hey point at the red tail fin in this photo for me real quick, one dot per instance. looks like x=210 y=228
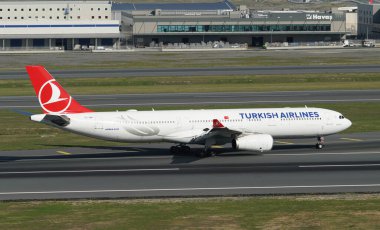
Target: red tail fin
x=52 y=97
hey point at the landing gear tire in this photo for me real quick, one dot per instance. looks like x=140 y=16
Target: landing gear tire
x=321 y=143
x=319 y=146
x=185 y=149
x=174 y=149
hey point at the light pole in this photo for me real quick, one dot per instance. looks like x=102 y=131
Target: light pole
x=271 y=32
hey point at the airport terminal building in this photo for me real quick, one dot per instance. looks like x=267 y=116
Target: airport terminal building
x=57 y=25
x=78 y=25
x=222 y=21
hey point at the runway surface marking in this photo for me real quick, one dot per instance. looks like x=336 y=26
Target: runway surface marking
x=90 y=171
x=326 y=166
x=193 y=189
x=171 y=156
x=350 y=139
x=63 y=152
x=328 y=153
x=216 y=93
x=232 y=102
x=210 y=102
x=138 y=150
x=96 y=158
x=284 y=142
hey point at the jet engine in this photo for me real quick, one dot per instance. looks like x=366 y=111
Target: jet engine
x=253 y=142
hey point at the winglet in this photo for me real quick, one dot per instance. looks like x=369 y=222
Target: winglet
x=216 y=124
x=51 y=95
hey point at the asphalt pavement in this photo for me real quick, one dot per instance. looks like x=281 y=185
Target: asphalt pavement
x=128 y=101
x=209 y=71
x=348 y=163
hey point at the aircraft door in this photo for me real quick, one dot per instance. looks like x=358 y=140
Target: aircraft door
x=98 y=125
x=184 y=123
x=328 y=123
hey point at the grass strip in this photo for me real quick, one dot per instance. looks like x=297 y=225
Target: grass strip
x=18 y=132
x=295 y=212
x=241 y=83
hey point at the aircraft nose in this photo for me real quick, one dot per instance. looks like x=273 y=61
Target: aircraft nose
x=348 y=123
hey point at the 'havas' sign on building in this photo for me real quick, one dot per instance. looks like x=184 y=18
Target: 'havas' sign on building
x=318 y=17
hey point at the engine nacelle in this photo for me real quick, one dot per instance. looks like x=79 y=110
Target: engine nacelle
x=254 y=142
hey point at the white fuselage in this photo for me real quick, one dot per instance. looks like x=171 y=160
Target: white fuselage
x=184 y=126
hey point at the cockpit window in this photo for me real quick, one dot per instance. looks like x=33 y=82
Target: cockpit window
x=341 y=117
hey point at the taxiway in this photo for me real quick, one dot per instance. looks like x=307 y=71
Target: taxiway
x=120 y=101
x=349 y=163
x=210 y=71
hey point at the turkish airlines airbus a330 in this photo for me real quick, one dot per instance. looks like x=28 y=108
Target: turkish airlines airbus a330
x=245 y=129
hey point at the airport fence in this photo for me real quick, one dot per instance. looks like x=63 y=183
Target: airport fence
x=203 y=45
x=303 y=44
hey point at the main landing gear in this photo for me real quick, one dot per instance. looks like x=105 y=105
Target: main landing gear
x=183 y=149
x=177 y=149
x=321 y=143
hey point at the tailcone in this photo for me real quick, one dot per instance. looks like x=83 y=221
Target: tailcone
x=37 y=117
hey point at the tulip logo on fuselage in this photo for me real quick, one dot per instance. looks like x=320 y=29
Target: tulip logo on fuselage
x=52 y=99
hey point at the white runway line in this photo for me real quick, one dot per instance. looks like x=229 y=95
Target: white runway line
x=350 y=139
x=228 y=102
x=90 y=171
x=326 y=166
x=192 y=189
x=96 y=158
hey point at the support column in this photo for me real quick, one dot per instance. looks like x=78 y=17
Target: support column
x=96 y=43
x=49 y=43
x=3 y=44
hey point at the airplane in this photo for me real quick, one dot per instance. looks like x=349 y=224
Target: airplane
x=246 y=129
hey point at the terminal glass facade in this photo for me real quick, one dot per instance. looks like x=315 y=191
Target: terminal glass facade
x=241 y=28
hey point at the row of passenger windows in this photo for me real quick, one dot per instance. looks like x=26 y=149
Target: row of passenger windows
x=149 y=122
x=301 y=119
x=51 y=17
x=50 y=9
x=210 y=121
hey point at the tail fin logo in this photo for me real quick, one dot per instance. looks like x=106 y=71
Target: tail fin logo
x=52 y=99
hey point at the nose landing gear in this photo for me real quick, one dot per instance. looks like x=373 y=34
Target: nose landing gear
x=320 y=143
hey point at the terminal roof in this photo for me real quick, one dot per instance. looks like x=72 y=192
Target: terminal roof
x=223 y=5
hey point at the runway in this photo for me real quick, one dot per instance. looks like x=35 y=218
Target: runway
x=349 y=163
x=122 y=101
x=224 y=71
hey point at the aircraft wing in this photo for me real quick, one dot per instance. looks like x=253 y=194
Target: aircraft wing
x=218 y=131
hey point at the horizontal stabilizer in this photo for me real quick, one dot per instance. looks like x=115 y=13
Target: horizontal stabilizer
x=60 y=120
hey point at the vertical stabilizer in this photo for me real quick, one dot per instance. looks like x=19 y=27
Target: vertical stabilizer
x=52 y=96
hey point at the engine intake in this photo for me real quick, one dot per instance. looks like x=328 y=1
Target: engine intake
x=254 y=142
